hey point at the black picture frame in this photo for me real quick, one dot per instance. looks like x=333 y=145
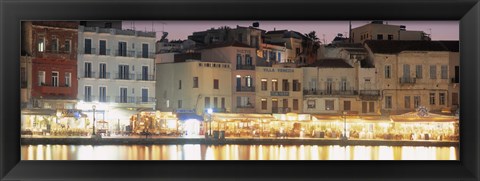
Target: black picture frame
x=14 y=11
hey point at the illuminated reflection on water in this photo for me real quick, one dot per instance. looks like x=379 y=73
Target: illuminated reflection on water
x=235 y=152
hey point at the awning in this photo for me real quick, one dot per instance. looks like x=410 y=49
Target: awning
x=414 y=117
x=48 y=112
x=232 y=116
x=187 y=116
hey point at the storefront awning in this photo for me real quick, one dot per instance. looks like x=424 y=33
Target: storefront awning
x=187 y=116
x=414 y=117
x=228 y=116
x=47 y=112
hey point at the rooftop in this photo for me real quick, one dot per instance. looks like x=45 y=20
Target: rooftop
x=397 y=46
x=225 y=44
x=330 y=63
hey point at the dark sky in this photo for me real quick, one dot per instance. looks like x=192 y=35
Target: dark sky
x=439 y=30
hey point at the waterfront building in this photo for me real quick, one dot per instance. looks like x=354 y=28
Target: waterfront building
x=251 y=36
x=278 y=90
x=379 y=30
x=194 y=86
x=411 y=74
x=242 y=60
x=293 y=44
x=116 y=73
x=273 y=53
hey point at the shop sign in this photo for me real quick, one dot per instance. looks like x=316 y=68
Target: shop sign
x=283 y=70
x=69 y=113
x=279 y=93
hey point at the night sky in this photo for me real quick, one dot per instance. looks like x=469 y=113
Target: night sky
x=440 y=30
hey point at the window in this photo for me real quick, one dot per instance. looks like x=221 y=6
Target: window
x=68 y=79
x=285 y=85
x=432 y=98
x=444 y=72
x=123 y=72
x=102 y=47
x=223 y=103
x=418 y=71
x=195 y=82
x=248 y=60
x=144 y=50
x=215 y=102
x=87 y=93
x=433 y=72
x=406 y=70
x=441 y=98
x=274 y=85
x=264 y=104
x=264 y=84
x=145 y=73
x=407 y=102
x=285 y=103
x=55 y=79
x=329 y=105
x=102 y=70
x=54 y=44
x=387 y=71
x=296 y=85
x=239 y=59
x=343 y=84
x=329 y=86
x=88 y=69
x=455 y=98
x=88 y=46
x=239 y=37
x=180 y=84
x=364 y=107
x=207 y=102
x=371 y=107
x=416 y=102
x=295 y=104
x=179 y=104
x=248 y=81
x=379 y=37
x=144 y=95
x=215 y=84
x=311 y=104
x=68 y=46
x=41 y=78
x=390 y=37
x=41 y=44
x=346 y=105
x=279 y=57
x=123 y=95
x=122 y=49
x=388 y=102
x=102 y=94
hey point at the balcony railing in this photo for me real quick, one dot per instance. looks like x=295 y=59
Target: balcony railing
x=145 y=77
x=91 y=51
x=104 y=75
x=105 y=52
x=330 y=92
x=245 y=67
x=369 y=94
x=88 y=98
x=407 y=80
x=103 y=98
x=455 y=80
x=279 y=93
x=140 y=54
x=130 y=53
x=246 y=106
x=245 y=89
x=145 y=99
x=89 y=74
x=48 y=89
x=281 y=110
x=125 y=99
x=124 y=76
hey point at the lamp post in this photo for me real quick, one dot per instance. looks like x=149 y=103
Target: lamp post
x=93 y=107
x=345 y=125
x=209 y=112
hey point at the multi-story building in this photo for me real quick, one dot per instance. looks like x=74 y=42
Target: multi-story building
x=273 y=53
x=377 y=30
x=411 y=74
x=251 y=36
x=241 y=57
x=49 y=64
x=194 y=86
x=292 y=41
x=278 y=90
x=116 y=71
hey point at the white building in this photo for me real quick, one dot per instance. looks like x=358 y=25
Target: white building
x=116 y=73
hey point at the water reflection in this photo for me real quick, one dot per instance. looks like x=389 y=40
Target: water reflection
x=235 y=152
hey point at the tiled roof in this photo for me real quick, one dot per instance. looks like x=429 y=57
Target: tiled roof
x=397 y=46
x=330 y=63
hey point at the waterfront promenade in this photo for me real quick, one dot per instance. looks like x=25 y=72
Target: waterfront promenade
x=164 y=140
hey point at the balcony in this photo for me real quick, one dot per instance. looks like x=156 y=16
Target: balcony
x=121 y=53
x=245 y=89
x=104 y=99
x=140 y=54
x=88 y=75
x=104 y=75
x=125 y=99
x=407 y=80
x=245 y=67
x=94 y=51
x=145 y=77
x=105 y=52
x=48 y=89
x=248 y=106
x=281 y=110
x=89 y=51
x=219 y=110
x=369 y=94
x=279 y=93
x=145 y=100
x=119 y=76
x=329 y=92
x=88 y=98
x=455 y=80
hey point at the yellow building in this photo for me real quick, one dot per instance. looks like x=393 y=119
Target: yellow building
x=378 y=30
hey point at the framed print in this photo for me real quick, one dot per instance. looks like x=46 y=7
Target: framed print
x=205 y=90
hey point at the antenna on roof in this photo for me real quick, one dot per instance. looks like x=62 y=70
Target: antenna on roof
x=152 y=27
